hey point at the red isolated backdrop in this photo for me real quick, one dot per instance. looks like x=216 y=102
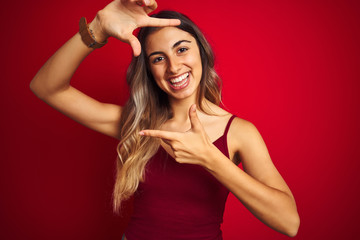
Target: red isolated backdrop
x=290 y=67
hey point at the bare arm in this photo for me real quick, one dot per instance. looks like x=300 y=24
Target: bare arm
x=259 y=187
x=52 y=83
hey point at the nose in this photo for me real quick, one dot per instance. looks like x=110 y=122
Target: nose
x=174 y=65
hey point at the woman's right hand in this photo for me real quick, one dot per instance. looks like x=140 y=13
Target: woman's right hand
x=121 y=17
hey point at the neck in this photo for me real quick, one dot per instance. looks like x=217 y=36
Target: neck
x=180 y=108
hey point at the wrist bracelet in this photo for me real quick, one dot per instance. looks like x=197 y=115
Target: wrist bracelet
x=87 y=35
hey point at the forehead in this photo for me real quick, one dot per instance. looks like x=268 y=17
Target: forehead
x=164 y=38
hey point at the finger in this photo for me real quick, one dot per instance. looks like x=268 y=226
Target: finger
x=151 y=5
x=161 y=22
x=194 y=120
x=159 y=134
x=135 y=45
x=186 y=160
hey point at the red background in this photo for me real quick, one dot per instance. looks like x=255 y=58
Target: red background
x=290 y=67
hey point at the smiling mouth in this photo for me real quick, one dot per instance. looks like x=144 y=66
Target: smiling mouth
x=180 y=81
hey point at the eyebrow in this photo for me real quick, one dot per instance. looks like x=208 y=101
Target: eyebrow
x=174 y=46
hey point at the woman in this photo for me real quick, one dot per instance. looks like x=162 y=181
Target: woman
x=178 y=150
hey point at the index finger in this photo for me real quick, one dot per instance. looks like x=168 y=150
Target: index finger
x=161 y=22
x=159 y=134
x=151 y=5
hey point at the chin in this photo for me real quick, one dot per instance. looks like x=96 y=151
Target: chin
x=189 y=91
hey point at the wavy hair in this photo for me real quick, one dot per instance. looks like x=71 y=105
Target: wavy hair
x=148 y=108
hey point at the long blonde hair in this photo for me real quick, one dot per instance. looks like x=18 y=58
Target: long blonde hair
x=148 y=108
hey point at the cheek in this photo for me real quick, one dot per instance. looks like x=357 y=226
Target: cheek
x=194 y=59
x=157 y=72
x=195 y=62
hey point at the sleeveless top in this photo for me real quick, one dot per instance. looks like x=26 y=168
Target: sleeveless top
x=178 y=201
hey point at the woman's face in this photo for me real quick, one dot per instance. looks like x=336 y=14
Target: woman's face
x=174 y=61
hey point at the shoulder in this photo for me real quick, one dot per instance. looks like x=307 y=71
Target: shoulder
x=213 y=115
x=242 y=133
x=240 y=127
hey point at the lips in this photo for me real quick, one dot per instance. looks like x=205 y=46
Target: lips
x=179 y=82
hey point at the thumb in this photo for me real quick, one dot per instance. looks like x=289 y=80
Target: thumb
x=135 y=45
x=130 y=39
x=194 y=120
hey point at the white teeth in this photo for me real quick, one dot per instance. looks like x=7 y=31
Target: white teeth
x=179 y=85
x=179 y=79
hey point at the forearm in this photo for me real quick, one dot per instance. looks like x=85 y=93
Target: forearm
x=275 y=208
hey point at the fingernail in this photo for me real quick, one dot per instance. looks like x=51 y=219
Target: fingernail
x=194 y=108
x=142 y=133
x=147 y=2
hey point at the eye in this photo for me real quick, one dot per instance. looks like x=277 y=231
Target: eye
x=182 y=50
x=157 y=59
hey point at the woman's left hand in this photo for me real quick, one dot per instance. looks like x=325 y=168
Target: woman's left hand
x=192 y=146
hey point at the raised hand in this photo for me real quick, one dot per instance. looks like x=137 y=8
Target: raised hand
x=192 y=146
x=121 y=17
